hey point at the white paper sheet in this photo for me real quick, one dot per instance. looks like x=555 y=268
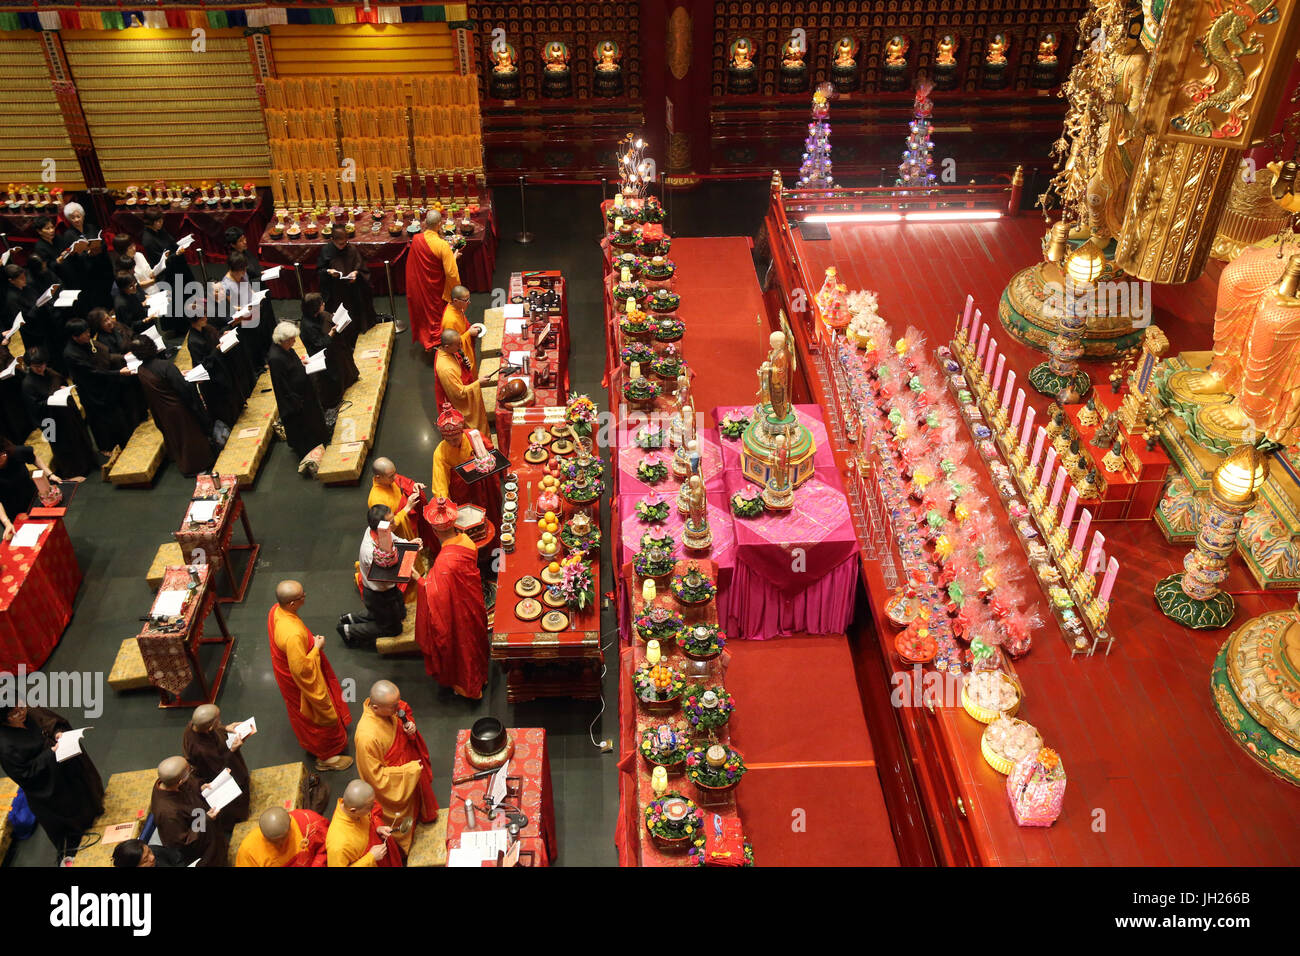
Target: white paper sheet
x=4 y=259
x=461 y=856
x=229 y=339
x=222 y=791
x=66 y=298
x=498 y=788
x=315 y=363
x=19 y=322
x=157 y=304
x=515 y=326
x=153 y=333
x=169 y=603
x=513 y=310
x=243 y=730
x=197 y=374
x=132 y=362
x=162 y=264
x=201 y=510
x=271 y=273
x=258 y=296
x=487 y=842
x=341 y=318
x=60 y=397
x=9 y=370
x=184 y=242
x=69 y=744
x=517 y=357
x=28 y=535
x=46 y=296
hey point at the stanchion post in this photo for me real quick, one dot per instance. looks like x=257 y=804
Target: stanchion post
x=392 y=300
x=203 y=267
x=524 y=236
x=297 y=272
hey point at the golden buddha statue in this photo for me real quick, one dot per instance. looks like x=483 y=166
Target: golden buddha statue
x=997 y=52
x=607 y=56
x=945 y=53
x=503 y=58
x=896 y=50
x=846 y=52
x=1047 y=48
x=1126 y=70
x=742 y=55
x=792 y=55
x=556 y=57
x=779 y=366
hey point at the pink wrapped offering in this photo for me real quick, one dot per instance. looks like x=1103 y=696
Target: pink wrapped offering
x=1036 y=787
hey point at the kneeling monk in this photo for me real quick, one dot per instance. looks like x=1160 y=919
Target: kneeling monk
x=450 y=613
x=455 y=449
x=392 y=758
x=285 y=838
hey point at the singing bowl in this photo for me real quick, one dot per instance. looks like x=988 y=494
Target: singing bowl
x=487 y=736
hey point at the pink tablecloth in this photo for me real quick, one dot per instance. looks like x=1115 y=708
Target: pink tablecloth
x=711 y=464
x=720 y=523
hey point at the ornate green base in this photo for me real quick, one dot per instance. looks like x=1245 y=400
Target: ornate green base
x=1206 y=615
x=1050 y=383
x=1272 y=754
x=1023 y=313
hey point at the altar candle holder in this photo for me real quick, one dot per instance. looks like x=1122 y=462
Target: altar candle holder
x=1072 y=560
x=996 y=389
x=1001 y=420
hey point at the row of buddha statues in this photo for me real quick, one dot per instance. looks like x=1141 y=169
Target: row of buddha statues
x=557 y=74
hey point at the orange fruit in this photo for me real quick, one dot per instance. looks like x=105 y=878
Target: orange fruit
x=553 y=567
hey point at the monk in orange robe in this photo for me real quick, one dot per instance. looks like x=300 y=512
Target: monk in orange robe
x=455 y=449
x=456 y=382
x=431 y=273
x=454 y=316
x=450 y=612
x=393 y=759
x=285 y=838
x=357 y=835
x=402 y=496
x=317 y=712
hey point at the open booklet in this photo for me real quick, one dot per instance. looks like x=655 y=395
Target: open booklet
x=69 y=744
x=315 y=363
x=341 y=318
x=243 y=730
x=222 y=790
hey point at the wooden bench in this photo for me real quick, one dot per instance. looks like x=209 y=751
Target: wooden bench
x=126 y=800
x=250 y=436
x=167 y=556
x=494 y=325
x=8 y=790
x=129 y=672
x=345 y=457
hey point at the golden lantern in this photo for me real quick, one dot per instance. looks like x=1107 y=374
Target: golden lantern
x=1085 y=264
x=1239 y=476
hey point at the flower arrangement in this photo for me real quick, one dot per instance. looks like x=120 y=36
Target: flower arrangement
x=636 y=289
x=651 y=469
x=651 y=437
x=693 y=587
x=747 y=503
x=657 y=684
x=658 y=624
x=581 y=490
x=574 y=541
x=733 y=425
x=660 y=268
x=702 y=642
x=653 y=563
x=587 y=466
x=652 y=242
x=673 y=820
x=625 y=212
x=575 y=586
x=669 y=329
x=580 y=414
x=707 y=708
x=637 y=352
x=704 y=773
x=668 y=364
x=658 y=538
x=630 y=261
x=652 y=210
x=666 y=745
x=641 y=389
x=699 y=858
x=635 y=323
x=664 y=300
x=652 y=509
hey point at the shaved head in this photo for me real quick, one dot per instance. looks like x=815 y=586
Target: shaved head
x=286 y=592
x=171 y=770
x=384 y=692
x=359 y=796
x=205 y=715
x=432 y=219
x=383 y=467
x=274 y=824
x=450 y=337
x=459 y=293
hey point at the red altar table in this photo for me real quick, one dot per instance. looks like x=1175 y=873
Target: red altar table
x=548 y=376
x=539 y=663
x=170 y=646
x=37 y=589
x=531 y=763
x=1131 y=494
x=207 y=223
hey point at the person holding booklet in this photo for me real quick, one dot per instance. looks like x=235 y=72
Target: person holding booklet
x=303 y=419
x=229 y=374
x=205 y=745
x=64 y=792
x=71 y=451
x=84 y=261
x=241 y=304
x=177 y=409
x=159 y=246
x=185 y=820
x=99 y=386
x=345 y=280
x=320 y=334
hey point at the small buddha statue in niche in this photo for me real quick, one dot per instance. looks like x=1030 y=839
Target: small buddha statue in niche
x=896 y=51
x=945 y=53
x=742 y=55
x=503 y=59
x=556 y=57
x=607 y=57
x=742 y=75
x=997 y=51
x=846 y=52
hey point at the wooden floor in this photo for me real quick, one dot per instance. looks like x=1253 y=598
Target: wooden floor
x=1154 y=779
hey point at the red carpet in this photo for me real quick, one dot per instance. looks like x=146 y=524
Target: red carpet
x=726 y=336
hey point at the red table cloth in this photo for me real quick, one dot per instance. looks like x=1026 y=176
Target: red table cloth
x=556 y=363
x=532 y=763
x=208 y=225
x=37 y=589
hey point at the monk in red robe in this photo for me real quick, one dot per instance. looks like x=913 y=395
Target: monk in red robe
x=431 y=273
x=393 y=758
x=450 y=613
x=455 y=449
x=285 y=838
x=317 y=712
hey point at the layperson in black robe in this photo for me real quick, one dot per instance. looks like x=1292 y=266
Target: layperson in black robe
x=99 y=386
x=300 y=412
x=184 y=821
x=236 y=241
x=66 y=797
x=43 y=328
x=318 y=333
x=63 y=426
x=204 y=744
x=339 y=259
x=15 y=421
x=157 y=242
x=254 y=321
x=46 y=245
x=177 y=410
x=224 y=401
x=128 y=304
x=114 y=339
x=130 y=854
x=86 y=265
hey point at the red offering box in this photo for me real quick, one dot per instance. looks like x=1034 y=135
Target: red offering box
x=1131 y=494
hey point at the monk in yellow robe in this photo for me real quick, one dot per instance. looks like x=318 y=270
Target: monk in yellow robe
x=456 y=449
x=402 y=496
x=456 y=381
x=393 y=759
x=456 y=314
x=285 y=838
x=357 y=835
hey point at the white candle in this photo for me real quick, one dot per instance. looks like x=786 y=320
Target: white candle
x=1020 y=409
x=618 y=223
x=984 y=342
x=1058 y=487
x=1039 y=439
x=1029 y=426
x=966 y=314
x=988 y=359
x=631 y=306
x=997 y=374
x=1094 y=555
x=476 y=442
x=648 y=591
x=1081 y=534
x=1011 y=387
x=1108 y=582
x=635 y=370
x=652 y=653
x=1071 y=502
x=618 y=200
x=1049 y=468
x=625 y=274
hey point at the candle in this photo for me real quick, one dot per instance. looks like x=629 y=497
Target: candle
x=1071 y=502
x=966 y=314
x=1029 y=425
x=1038 y=446
x=1049 y=468
x=1020 y=408
x=618 y=223
x=1011 y=387
x=648 y=591
x=625 y=274
x=631 y=306
x=984 y=342
x=635 y=370
x=1058 y=487
x=1081 y=534
x=476 y=442
x=1108 y=582
x=618 y=200
x=988 y=359
x=997 y=374
x=652 y=653
x=659 y=781
x=1095 y=554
